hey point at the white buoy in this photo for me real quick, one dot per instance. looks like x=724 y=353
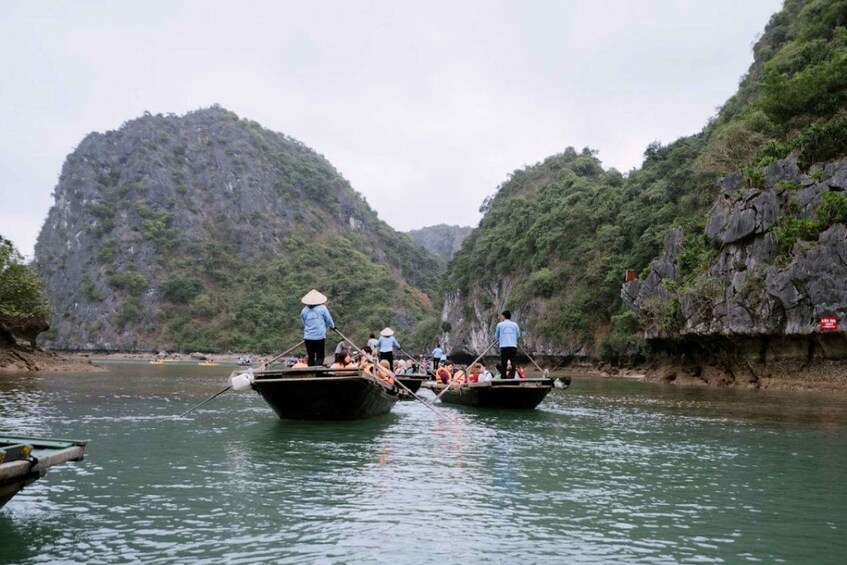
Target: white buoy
x=241 y=381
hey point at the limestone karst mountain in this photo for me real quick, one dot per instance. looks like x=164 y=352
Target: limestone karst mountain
x=202 y=232
x=441 y=240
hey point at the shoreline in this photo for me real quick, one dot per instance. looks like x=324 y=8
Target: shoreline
x=16 y=360
x=829 y=377
x=222 y=358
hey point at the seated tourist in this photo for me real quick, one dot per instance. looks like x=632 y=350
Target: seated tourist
x=365 y=364
x=444 y=373
x=484 y=374
x=459 y=377
x=342 y=360
x=385 y=372
x=473 y=373
x=301 y=363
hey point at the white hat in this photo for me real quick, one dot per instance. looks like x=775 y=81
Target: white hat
x=387 y=332
x=313 y=298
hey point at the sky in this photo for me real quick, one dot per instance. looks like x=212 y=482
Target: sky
x=424 y=106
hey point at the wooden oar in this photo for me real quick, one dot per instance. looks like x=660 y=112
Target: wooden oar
x=207 y=400
x=544 y=372
x=289 y=350
x=381 y=368
x=438 y=398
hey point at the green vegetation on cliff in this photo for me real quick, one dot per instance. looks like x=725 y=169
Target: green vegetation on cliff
x=203 y=231
x=23 y=309
x=793 y=99
x=564 y=230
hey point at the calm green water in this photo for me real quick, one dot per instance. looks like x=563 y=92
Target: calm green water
x=607 y=471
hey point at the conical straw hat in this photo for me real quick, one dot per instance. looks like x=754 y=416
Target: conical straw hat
x=313 y=298
x=387 y=332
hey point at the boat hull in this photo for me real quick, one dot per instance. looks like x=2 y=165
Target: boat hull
x=23 y=460
x=324 y=395
x=524 y=394
x=413 y=382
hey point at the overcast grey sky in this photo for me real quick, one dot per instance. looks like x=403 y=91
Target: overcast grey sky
x=421 y=105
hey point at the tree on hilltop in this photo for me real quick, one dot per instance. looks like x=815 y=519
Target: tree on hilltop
x=23 y=309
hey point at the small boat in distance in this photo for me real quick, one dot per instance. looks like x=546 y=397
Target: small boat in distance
x=208 y=364
x=498 y=393
x=24 y=460
x=318 y=393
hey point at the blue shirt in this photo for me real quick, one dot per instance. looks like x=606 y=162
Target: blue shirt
x=437 y=353
x=316 y=319
x=507 y=333
x=386 y=344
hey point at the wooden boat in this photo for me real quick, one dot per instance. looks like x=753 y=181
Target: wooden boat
x=317 y=393
x=499 y=393
x=414 y=381
x=24 y=460
x=208 y=364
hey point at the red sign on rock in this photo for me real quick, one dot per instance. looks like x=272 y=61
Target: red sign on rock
x=829 y=323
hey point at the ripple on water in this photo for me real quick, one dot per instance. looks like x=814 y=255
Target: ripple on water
x=605 y=471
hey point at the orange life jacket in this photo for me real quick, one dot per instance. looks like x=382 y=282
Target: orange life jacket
x=443 y=374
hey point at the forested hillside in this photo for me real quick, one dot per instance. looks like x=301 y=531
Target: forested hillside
x=558 y=236
x=203 y=231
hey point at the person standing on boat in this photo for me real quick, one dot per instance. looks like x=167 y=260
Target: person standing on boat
x=316 y=319
x=386 y=344
x=372 y=342
x=507 y=334
x=436 y=356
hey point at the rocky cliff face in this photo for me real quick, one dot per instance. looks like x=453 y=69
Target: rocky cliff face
x=185 y=231
x=776 y=264
x=473 y=319
x=441 y=240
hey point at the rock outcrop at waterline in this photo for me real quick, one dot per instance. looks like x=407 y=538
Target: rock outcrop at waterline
x=201 y=232
x=777 y=264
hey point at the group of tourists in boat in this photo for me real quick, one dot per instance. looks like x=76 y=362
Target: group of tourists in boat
x=366 y=381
